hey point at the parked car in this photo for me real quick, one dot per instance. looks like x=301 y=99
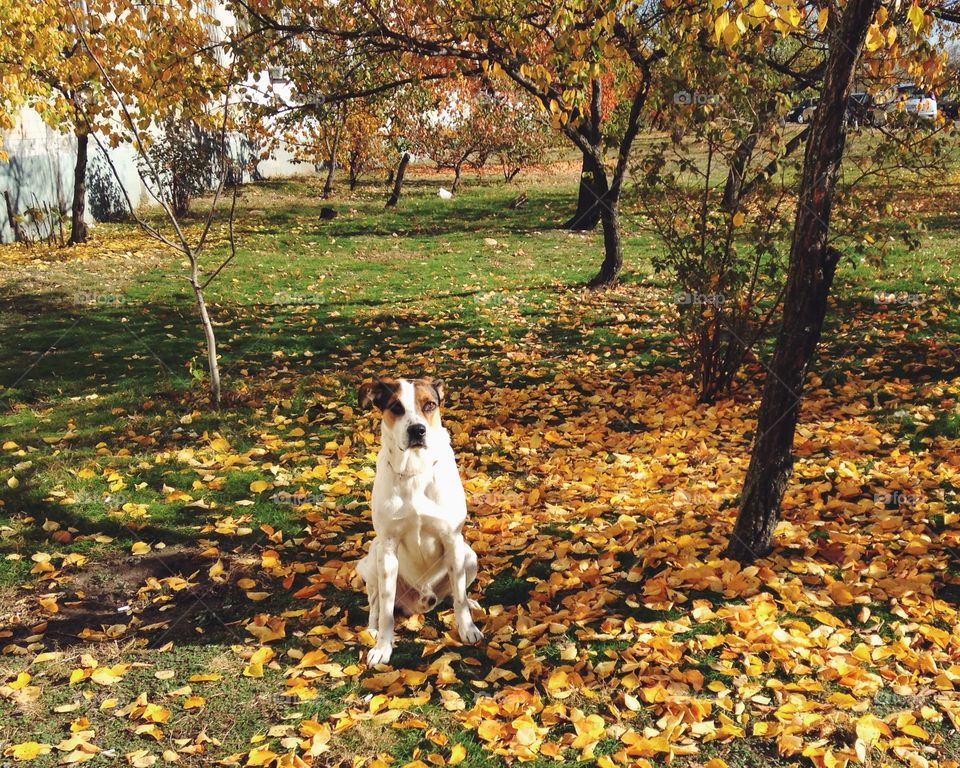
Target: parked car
x=861 y=110
x=802 y=112
x=911 y=100
x=906 y=99
x=948 y=105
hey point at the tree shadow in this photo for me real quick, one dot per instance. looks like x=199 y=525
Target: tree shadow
x=35 y=180
x=123 y=350
x=926 y=353
x=545 y=211
x=158 y=598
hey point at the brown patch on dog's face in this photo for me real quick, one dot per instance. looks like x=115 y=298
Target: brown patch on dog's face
x=385 y=395
x=428 y=395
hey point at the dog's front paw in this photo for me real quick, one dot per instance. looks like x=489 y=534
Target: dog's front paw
x=470 y=634
x=379 y=654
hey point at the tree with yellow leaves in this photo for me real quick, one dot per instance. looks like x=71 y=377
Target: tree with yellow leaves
x=147 y=48
x=29 y=43
x=575 y=59
x=174 y=70
x=890 y=40
x=349 y=134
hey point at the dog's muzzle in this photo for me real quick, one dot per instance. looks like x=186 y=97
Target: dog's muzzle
x=417 y=436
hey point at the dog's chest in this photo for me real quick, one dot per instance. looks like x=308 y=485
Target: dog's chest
x=419 y=503
x=415 y=499
x=419 y=525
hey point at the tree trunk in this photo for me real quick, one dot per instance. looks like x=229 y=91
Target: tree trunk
x=328 y=184
x=213 y=366
x=593 y=176
x=179 y=193
x=738 y=166
x=78 y=226
x=774 y=165
x=398 y=181
x=734 y=187
x=608 y=204
x=810 y=274
x=608 y=199
x=456 y=178
x=18 y=234
x=356 y=168
x=592 y=184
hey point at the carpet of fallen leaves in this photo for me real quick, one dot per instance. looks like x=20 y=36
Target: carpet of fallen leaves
x=601 y=494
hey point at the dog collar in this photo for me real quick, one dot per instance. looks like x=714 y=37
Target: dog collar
x=410 y=474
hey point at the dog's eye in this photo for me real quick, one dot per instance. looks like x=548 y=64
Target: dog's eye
x=397 y=408
x=429 y=406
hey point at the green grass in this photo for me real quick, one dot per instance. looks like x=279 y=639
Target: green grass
x=307 y=310
x=368 y=282
x=302 y=293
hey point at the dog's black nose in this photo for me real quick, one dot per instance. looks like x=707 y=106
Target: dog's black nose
x=417 y=431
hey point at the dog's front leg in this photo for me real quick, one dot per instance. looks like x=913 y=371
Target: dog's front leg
x=456 y=553
x=369 y=571
x=373 y=606
x=389 y=568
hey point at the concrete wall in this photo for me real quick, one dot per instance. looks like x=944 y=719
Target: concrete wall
x=39 y=172
x=281 y=166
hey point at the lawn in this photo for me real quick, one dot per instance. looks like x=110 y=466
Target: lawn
x=176 y=583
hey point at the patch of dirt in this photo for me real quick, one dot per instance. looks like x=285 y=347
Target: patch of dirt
x=159 y=598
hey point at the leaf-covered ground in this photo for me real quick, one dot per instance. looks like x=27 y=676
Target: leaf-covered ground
x=179 y=587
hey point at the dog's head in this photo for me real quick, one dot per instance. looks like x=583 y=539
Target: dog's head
x=410 y=408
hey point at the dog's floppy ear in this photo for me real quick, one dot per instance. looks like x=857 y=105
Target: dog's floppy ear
x=378 y=392
x=438 y=387
x=365 y=394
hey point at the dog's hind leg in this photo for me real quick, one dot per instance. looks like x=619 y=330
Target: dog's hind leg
x=439 y=589
x=470 y=569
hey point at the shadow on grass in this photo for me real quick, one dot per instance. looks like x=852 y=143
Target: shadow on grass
x=465 y=214
x=61 y=350
x=906 y=341
x=159 y=598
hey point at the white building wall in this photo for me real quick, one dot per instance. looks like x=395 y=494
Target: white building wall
x=39 y=170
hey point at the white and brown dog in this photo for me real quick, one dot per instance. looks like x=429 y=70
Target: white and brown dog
x=419 y=555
